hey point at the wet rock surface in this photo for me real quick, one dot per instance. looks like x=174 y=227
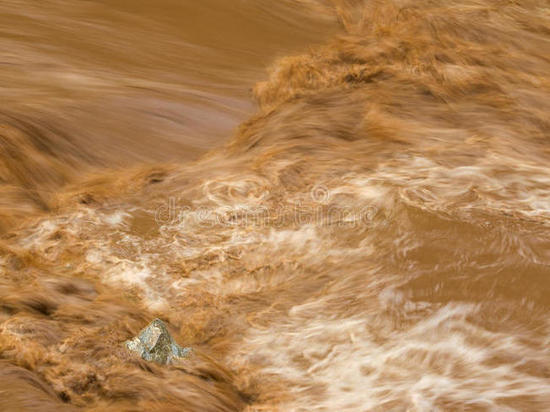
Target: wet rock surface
x=154 y=343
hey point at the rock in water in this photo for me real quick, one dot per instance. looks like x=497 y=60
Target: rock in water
x=154 y=343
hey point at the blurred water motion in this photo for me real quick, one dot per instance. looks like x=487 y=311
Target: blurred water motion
x=340 y=205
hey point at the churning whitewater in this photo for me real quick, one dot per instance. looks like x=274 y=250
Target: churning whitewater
x=339 y=205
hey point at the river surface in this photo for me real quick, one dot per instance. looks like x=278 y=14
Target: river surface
x=340 y=205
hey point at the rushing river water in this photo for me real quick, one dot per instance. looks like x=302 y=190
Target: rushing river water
x=341 y=205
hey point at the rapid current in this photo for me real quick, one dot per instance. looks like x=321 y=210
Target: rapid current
x=340 y=205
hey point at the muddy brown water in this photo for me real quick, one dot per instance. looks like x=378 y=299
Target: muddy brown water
x=340 y=205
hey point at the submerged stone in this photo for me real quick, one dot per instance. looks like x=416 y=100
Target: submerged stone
x=154 y=343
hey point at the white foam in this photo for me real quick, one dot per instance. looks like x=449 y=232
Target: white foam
x=414 y=368
x=130 y=274
x=115 y=219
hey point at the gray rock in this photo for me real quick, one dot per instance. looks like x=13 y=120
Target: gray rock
x=154 y=343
